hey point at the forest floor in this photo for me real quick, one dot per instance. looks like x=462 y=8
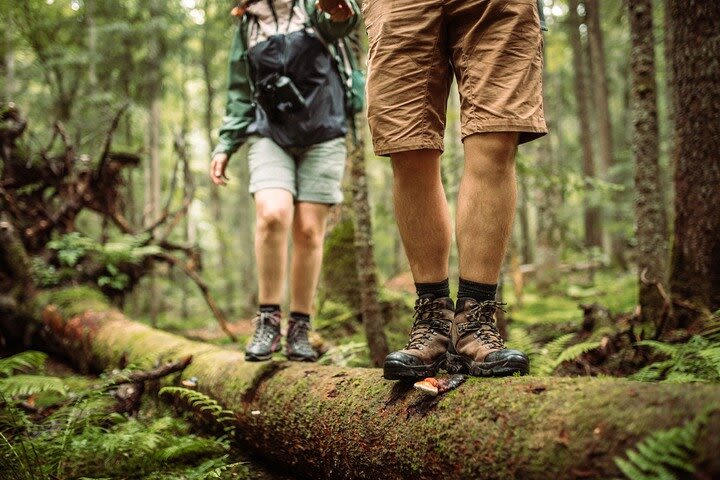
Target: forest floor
x=145 y=445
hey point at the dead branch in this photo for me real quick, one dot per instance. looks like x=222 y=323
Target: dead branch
x=154 y=374
x=109 y=139
x=209 y=299
x=667 y=303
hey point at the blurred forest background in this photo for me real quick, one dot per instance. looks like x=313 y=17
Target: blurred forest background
x=596 y=210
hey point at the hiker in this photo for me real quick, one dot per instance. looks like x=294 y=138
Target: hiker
x=287 y=99
x=494 y=50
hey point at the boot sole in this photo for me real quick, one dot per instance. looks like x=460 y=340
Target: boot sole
x=399 y=371
x=501 y=368
x=252 y=357
x=297 y=358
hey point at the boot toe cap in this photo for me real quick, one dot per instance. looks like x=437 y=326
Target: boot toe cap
x=403 y=358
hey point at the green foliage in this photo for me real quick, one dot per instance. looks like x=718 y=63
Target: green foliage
x=73 y=247
x=666 y=455
x=29 y=360
x=697 y=360
x=83 y=438
x=26 y=385
x=350 y=354
x=205 y=405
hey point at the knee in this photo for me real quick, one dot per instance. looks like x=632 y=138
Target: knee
x=308 y=235
x=416 y=167
x=274 y=218
x=491 y=156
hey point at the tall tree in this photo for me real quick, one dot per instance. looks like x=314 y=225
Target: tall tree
x=649 y=207
x=592 y=218
x=695 y=270
x=364 y=250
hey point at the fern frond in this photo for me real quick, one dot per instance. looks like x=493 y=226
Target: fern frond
x=665 y=454
x=712 y=356
x=221 y=471
x=25 y=385
x=574 y=352
x=664 y=348
x=186 y=449
x=25 y=361
x=203 y=403
x=555 y=347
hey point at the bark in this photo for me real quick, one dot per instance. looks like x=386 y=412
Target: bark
x=349 y=423
x=615 y=241
x=592 y=218
x=365 y=258
x=364 y=248
x=649 y=206
x=695 y=270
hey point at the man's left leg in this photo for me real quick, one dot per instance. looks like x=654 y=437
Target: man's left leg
x=486 y=207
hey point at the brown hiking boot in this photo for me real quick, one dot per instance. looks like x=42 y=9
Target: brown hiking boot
x=425 y=352
x=476 y=346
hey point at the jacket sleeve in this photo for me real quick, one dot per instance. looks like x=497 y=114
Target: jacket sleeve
x=330 y=30
x=240 y=109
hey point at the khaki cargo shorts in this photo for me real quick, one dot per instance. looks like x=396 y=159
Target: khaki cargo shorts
x=494 y=49
x=311 y=174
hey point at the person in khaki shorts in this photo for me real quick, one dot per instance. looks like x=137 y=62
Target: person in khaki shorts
x=494 y=50
x=287 y=100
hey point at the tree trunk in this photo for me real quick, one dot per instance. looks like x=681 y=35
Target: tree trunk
x=695 y=270
x=364 y=249
x=364 y=255
x=349 y=423
x=592 y=218
x=224 y=266
x=649 y=207
x=615 y=242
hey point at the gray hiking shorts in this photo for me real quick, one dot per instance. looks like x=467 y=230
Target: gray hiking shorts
x=312 y=174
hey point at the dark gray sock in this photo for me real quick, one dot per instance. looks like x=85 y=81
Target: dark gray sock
x=300 y=316
x=269 y=308
x=437 y=289
x=480 y=292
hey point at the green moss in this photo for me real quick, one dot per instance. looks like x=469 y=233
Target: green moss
x=75 y=300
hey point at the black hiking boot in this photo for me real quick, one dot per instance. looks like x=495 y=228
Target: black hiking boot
x=425 y=352
x=266 y=339
x=476 y=346
x=297 y=345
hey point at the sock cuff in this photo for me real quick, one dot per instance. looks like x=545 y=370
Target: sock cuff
x=269 y=307
x=437 y=289
x=300 y=316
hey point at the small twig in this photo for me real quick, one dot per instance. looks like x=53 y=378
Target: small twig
x=109 y=138
x=219 y=315
x=667 y=303
x=154 y=374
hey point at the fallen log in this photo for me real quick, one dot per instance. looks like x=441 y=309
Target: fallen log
x=349 y=423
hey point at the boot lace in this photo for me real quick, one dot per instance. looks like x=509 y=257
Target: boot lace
x=264 y=331
x=481 y=319
x=425 y=311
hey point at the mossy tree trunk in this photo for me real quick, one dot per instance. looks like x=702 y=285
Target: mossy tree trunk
x=650 y=218
x=695 y=269
x=349 y=423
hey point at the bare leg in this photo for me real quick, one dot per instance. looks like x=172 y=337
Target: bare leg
x=273 y=216
x=308 y=232
x=486 y=204
x=422 y=213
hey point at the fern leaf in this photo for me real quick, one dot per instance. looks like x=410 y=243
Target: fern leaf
x=662 y=453
x=24 y=385
x=664 y=348
x=24 y=361
x=574 y=352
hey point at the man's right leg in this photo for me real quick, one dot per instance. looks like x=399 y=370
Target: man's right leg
x=423 y=219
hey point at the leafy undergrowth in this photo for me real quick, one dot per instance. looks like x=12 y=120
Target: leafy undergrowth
x=68 y=427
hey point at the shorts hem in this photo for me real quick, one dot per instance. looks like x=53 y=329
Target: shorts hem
x=385 y=149
x=529 y=130
x=321 y=199
x=256 y=187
